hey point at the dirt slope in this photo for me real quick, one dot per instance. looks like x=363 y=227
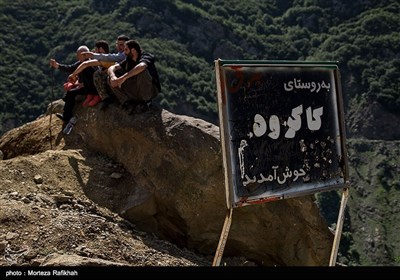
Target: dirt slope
x=53 y=211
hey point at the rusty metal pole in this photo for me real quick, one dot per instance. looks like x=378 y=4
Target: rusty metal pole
x=223 y=237
x=339 y=226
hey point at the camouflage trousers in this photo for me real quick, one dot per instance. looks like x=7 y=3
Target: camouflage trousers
x=137 y=88
x=100 y=79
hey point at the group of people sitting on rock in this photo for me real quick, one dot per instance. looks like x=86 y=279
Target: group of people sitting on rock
x=128 y=76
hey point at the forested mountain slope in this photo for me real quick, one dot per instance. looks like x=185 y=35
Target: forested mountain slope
x=187 y=36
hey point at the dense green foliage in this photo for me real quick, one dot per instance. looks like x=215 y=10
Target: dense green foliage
x=186 y=36
x=371 y=225
x=373 y=205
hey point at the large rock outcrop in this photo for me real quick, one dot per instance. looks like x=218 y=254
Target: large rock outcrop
x=178 y=191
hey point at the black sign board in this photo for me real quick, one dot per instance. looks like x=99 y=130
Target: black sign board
x=282 y=129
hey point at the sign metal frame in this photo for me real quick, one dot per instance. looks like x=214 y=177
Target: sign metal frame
x=267 y=156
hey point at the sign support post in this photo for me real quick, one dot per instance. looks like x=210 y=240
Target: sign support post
x=223 y=237
x=339 y=226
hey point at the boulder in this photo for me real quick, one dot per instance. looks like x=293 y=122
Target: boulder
x=178 y=189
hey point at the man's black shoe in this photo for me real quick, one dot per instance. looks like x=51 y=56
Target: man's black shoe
x=60 y=116
x=129 y=106
x=149 y=103
x=126 y=105
x=105 y=103
x=143 y=106
x=133 y=107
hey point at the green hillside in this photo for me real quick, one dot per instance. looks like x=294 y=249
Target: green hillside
x=187 y=36
x=372 y=218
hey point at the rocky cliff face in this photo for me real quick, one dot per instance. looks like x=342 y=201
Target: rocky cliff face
x=372 y=121
x=173 y=185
